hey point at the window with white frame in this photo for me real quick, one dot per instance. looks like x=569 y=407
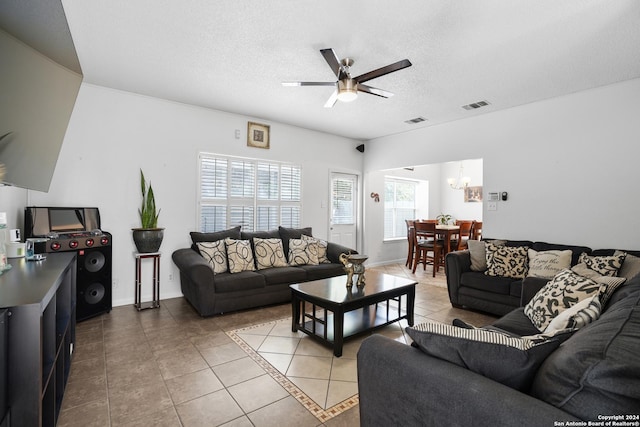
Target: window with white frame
x=259 y=195
x=400 y=204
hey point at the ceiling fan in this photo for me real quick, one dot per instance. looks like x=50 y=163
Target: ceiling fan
x=347 y=87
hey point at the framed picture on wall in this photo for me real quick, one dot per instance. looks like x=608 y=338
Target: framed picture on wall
x=258 y=135
x=473 y=194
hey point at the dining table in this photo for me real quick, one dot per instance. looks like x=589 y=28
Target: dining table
x=446 y=231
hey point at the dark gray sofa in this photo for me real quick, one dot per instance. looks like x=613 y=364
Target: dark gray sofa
x=496 y=295
x=593 y=374
x=213 y=294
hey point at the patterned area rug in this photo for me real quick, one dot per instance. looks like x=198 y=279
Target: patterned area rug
x=325 y=385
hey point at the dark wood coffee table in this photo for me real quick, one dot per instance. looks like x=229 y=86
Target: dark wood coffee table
x=347 y=312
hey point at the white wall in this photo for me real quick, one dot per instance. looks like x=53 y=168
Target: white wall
x=452 y=201
x=569 y=164
x=112 y=134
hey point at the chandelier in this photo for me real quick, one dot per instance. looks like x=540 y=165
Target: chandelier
x=462 y=182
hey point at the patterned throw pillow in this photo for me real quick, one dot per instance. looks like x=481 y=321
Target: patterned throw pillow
x=507 y=261
x=478 y=253
x=546 y=264
x=322 y=246
x=239 y=255
x=610 y=283
x=581 y=314
x=560 y=293
x=302 y=252
x=269 y=253
x=216 y=255
x=605 y=265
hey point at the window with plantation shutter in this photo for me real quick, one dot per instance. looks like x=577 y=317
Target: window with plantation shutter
x=399 y=205
x=255 y=194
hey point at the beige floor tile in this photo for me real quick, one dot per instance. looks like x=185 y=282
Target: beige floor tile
x=339 y=391
x=82 y=391
x=164 y=418
x=211 y=339
x=179 y=362
x=279 y=361
x=257 y=392
x=94 y=414
x=210 y=410
x=190 y=386
x=137 y=401
x=222 y=354
x=310 y=367
x=309 y=347
x=237 y=371
x=284 y=413
x=344 y=369
x=239 y=422
x=350 y=418
x=279 y=345
x=133 y=372
x=253 y=341
x=315 y=389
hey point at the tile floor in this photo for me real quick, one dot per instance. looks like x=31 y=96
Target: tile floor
x=171 y=367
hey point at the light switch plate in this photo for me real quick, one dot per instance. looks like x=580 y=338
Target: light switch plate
x=492 y=206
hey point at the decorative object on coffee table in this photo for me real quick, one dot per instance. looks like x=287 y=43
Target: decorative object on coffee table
x=258 y=135
x=148 y=237
x=354 y=264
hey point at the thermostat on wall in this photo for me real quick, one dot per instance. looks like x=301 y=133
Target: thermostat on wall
x=494 y=197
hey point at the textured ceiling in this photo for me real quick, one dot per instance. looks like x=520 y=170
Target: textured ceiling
x=233 y=55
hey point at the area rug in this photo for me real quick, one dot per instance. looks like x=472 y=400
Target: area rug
x=252 y=343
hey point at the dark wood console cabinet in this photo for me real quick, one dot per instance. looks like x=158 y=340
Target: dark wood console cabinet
x=41 y=300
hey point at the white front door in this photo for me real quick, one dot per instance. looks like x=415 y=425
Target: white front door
x=343 y=225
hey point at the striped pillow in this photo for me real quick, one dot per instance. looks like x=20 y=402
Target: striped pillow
x=503 y=357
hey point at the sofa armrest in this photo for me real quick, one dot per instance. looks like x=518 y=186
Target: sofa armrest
x=456 y=263
x=401 y=386
x=334 y=250
x=192 y=265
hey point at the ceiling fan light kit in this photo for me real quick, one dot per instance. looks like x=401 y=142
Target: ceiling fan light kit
x=347 y=87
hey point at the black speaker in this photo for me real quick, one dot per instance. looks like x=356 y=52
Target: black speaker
x=93 y=282
x=360 y=148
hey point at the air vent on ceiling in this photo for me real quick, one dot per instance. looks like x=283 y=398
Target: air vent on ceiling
x=475 y=105
x=416 y=120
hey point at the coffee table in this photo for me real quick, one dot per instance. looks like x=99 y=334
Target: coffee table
x=347 y=312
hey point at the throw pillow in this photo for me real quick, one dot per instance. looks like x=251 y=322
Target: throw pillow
x=216 y=255
x=302 y=252
x=239 y=255
x=581 y=314
x=269 y=253
x=478 y=253
x=546 y=264
x=560 y=293
x=322 y=246
x=508 y=359
x=611 y=283
x=507 y=261
x=605 y=265
x=630 y=267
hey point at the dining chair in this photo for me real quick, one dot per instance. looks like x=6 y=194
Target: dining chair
x=476 y=230
x=428 y=243
x=466 y=227
x=410 y=241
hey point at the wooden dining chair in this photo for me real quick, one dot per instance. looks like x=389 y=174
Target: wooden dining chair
x=410 y=241
x=476 y=230
x=466 y=227
x=425 y=241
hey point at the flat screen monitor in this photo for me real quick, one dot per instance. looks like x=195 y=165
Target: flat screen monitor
x=66 y=219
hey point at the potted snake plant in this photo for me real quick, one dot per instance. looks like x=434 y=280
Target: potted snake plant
x=148 y=237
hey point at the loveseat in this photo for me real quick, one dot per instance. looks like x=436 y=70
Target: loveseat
x=589 y=371
x=217 y=282
x=470 y=286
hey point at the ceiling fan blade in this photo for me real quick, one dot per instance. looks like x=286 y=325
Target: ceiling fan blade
x=308 y=83
x=374 y=91
x=333 y=61
x=382 y=71
x=332 y=100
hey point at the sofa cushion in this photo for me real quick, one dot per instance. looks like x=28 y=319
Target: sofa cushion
x=575 y=250
x=323 y=271
x=505 y=261
x=268 y=253
x=239 y=255
x=630 y=267
x=605 y=265
x=597 y=371
x=610 y=283
x=301 y=252
x=233 y=233
x=630 y=287
x=280 y=275
x=546 y=264
x=238 y=282
x=216 y=255
x=560 y=293
x=503 y=357
x=287 y=234
x=516 y=322
x=477 y=280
